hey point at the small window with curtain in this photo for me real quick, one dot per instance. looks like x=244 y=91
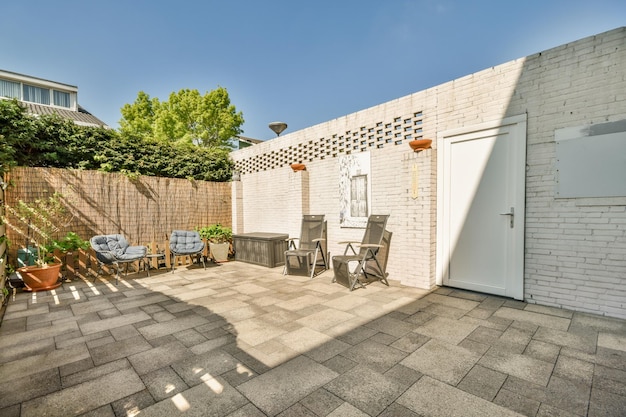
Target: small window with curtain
x=61 y=98
x=36 y=94
x=9 y=89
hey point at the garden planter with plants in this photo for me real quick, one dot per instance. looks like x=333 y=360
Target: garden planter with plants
x=41 y=278
x=37 y=223
x=219 y=238
x=69 y=246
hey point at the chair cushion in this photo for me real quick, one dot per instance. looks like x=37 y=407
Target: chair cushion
x=186 y=242
x=117 y=244
x=111 y=248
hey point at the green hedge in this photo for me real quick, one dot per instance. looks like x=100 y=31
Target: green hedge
x=49 y=141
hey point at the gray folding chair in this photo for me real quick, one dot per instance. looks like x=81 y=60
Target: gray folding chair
x=370 y=262
x=310 y=257
x=115 y=250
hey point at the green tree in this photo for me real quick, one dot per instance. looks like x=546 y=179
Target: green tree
x=138 y=118
x=50 y=141
x=208 y=120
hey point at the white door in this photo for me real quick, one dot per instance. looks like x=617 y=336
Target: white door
x=480 y=208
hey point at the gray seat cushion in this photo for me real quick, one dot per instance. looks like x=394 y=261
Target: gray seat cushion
x=186 y=242
x=115 y=248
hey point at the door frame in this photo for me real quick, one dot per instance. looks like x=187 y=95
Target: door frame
x=516 y=126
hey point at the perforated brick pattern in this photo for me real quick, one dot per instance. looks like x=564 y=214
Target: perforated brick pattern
x=359 y=139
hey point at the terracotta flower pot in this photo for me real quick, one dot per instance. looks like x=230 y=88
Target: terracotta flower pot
x=41 y=278
x=420 y=144
x=298 y=167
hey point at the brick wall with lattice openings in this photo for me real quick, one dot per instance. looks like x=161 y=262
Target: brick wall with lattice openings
x=383 y=133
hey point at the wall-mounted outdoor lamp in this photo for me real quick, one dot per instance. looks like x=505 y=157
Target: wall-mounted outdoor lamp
x=236 y=175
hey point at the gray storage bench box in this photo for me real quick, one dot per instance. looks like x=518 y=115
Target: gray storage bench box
x=261 y=248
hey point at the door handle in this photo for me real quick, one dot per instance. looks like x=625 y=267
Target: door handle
x=511 y=215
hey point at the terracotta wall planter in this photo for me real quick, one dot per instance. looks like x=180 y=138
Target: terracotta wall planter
x=420 y=144
x=298 y=167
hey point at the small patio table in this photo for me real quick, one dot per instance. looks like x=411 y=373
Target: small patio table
x=147 y=260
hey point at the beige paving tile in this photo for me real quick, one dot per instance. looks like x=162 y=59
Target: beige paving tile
x=426 y=395
x=113 y=322
x=156 y=330
x=325 y=319
x=281 y=387
x=303 y=339
x=524 y=367
x=612 y=341
x=442 y=361
x=458 y=303
x=583 y=342
x=447 y=330
x=85 y=397
x=552 y=322
x=26 y=337
x=29 y=365
x=214 y=397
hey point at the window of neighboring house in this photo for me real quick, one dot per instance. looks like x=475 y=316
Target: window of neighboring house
x=61 y=98
x=36 y=94
x=9 y=89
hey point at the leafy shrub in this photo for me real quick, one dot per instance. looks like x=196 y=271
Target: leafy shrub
x=50 y=141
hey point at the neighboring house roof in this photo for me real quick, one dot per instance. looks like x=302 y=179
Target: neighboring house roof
x=41 y=96
x=251 y=141
x=80 y=117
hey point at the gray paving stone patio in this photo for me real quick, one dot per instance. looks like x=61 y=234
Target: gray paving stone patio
x=239 y=340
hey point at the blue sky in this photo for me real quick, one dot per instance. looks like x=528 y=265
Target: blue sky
x=301 y=62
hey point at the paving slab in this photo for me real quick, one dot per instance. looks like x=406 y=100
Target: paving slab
x=442 y=361
x=85 y=397
x=242 y=340
x=283 y=386
x=446 y=329
x=113 y=322
x=430 y=397
x=524 y=367
x=368 y=390
x=552 y=322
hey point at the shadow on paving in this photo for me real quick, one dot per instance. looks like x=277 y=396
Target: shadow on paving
x=241 y=340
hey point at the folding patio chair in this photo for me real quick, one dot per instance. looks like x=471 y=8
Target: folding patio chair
x=370 y=262
x=310 y=257
x=115 y=250
x=186 y=243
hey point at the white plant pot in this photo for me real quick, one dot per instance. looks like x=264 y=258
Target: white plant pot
x=219 y=251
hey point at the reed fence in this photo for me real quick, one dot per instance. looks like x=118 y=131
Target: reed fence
x=145 y=210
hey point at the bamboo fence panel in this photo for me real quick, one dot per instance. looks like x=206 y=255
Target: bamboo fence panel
x=145 y=210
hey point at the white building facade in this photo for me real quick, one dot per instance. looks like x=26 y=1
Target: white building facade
x=521 y=195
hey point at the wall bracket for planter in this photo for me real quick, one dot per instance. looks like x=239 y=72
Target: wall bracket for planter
x=419 y=145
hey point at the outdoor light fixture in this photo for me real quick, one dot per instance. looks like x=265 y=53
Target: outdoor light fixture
x=236 y=175
x=278 y=127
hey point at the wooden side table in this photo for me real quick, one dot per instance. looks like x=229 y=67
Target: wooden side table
x=147 y=260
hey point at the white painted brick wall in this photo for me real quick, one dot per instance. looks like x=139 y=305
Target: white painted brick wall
x=575 y=250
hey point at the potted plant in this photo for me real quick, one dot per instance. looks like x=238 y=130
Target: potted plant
x=219 y=238
x=69 y=245
x=37 y=223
